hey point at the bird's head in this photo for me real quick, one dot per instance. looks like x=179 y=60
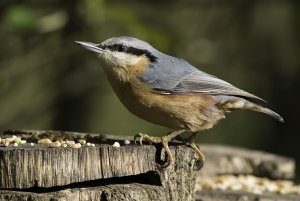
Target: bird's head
x=123 y=57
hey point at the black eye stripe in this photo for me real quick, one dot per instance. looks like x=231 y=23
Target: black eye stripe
x=138 y=52
x=130 y=50
x=117 y=47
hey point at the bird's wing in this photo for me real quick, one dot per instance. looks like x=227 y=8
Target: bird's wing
x=174 y=75
x=200 y=82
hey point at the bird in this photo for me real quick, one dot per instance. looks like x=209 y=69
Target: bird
x=169 y=91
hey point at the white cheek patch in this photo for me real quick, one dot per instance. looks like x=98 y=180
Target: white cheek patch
x=116 y=61
x=109 y=59
x=124 y=59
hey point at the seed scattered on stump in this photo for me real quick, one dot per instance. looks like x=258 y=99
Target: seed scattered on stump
x=45 y=141
x=70 y=142
x=248 y=183
x=82 y=141
x=76 y=146
x=5 y=142
x=16 y=141
x=55 y=144
x=116 y=144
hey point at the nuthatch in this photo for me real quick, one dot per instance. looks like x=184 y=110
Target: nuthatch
x=169 y=91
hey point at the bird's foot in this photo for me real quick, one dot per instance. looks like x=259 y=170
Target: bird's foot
x=147 y=138
x=160 y=140
x=190 y=141
x=157 y=140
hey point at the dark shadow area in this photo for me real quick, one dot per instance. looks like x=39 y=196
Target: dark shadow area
x=150 y=178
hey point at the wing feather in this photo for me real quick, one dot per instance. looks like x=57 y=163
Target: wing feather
x=200 y=82
x=174 y=75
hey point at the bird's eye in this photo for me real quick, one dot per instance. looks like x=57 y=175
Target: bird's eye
x=101 y=46
x=121 y=48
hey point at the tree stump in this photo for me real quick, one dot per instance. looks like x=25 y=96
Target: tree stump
x=134 y=172
x=232 y=173
x=223 y=160
x=103 y=172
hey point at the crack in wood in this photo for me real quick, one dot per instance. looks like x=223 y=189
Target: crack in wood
x=149 y=178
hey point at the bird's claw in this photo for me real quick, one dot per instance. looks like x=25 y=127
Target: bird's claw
x=190 y=141
x=160 y=140
x=156 y=140
x=141 y=136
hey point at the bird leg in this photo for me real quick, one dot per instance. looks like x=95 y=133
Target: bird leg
x=191 y=142
x=160 y=140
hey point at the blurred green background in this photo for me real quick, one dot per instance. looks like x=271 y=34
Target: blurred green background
x=49 y=82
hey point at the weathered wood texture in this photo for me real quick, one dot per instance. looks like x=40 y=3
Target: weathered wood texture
x=115 y=192
x=130 y=172
x=104 y=172
x=41 y=166
x=222 y=159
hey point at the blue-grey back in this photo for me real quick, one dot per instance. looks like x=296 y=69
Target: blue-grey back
x=166 y=72
x=173 y=75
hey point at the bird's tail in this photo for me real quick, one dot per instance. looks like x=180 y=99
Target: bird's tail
x=229 y=103
x=268 y=112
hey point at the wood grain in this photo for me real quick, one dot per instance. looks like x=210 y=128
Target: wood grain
x=103 y=172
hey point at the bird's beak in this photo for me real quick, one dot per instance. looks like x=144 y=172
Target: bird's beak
x=90 y=46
